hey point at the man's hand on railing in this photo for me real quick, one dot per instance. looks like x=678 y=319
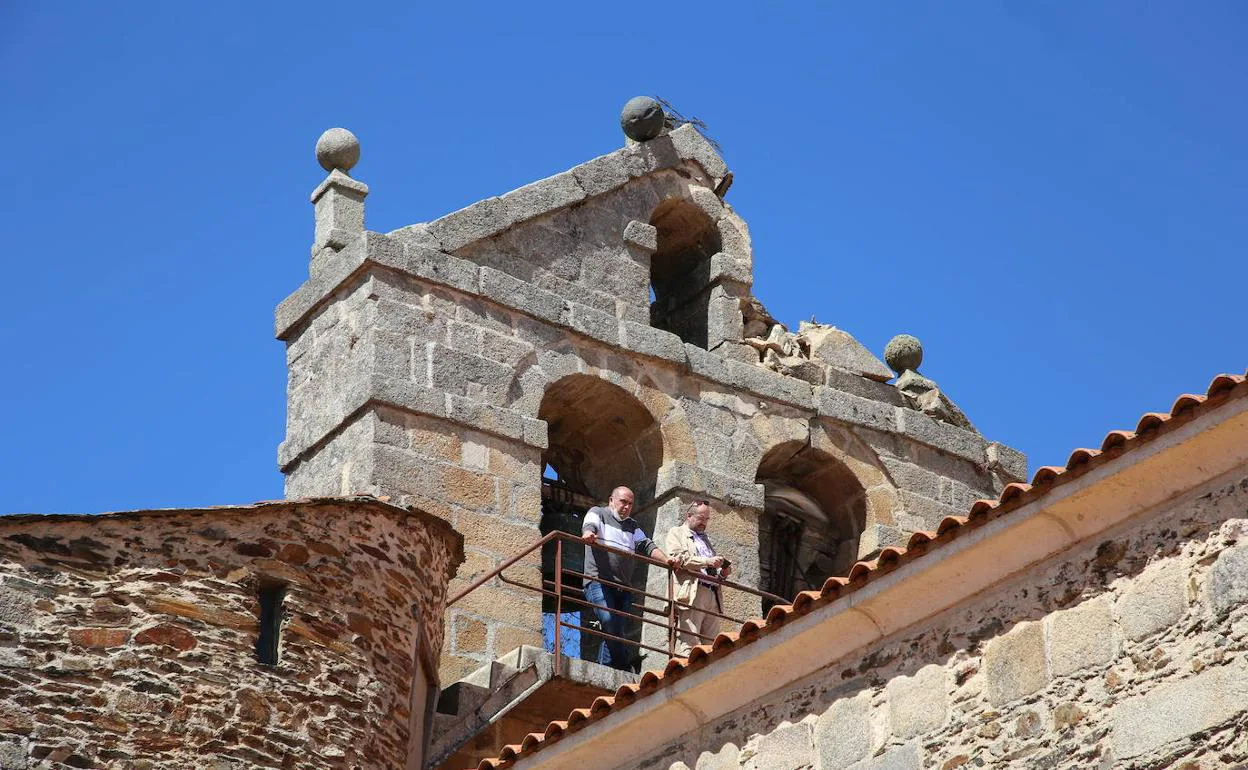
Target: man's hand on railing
x=589 y=537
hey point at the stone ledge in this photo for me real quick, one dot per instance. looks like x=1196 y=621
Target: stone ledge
x=412 y=398
x=856 y=410
x=942 y=436
x=771 y=385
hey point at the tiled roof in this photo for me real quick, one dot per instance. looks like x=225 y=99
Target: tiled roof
x=1223 y=388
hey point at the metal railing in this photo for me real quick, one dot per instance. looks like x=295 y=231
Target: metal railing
x=561 y=592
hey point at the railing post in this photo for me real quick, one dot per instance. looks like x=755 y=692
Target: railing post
x=558 y=602
x=671 y=612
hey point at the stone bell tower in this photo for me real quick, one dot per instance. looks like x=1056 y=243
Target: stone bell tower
x=598 y=328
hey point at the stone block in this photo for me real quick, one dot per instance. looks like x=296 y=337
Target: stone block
x=12 y=755
x=691 y=145
x=942 y=436
x=1079 y=638
x=646 y=340
x=435 y=266
x=543 y=197
x=726 y=758
x=723 y=320
x=1014 y=664
x=472 y=223
x=856 y=410
x=495 y=534
x=929 y=512
x=734 y=234
x=770 y=385
x=1228 y=580
x=904 y=757
x=17 y=607
x=1178 y=709
x=788 y=747
x=733 y=269
x=292 y=313
x=508 y=638
x=842 y=734
x=486 y=418
x=602 y=174
x=912 y=478
x=675 y=476
x=641 y=235
x=877 y=536
x=593 y=324
x=863 y=387
x=837 y=348
x=524 y=297
x=1155 y=600
x=416 y=235
x=1010 y=461
x=704 y=363
x=919 y=703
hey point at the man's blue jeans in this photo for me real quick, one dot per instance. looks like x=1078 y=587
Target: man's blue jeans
x=612 y=653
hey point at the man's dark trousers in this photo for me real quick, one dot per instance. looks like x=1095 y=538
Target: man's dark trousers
x=612 y=653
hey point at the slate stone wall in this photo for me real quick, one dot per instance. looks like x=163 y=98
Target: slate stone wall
x=1131 y=653
x=128 y=640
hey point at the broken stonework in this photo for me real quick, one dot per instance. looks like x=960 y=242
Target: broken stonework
x=836 y=348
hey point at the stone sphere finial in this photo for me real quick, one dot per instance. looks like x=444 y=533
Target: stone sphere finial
x=903 y=352
x=642 y=118
x=338 y=149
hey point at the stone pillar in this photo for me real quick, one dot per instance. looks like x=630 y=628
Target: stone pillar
x=733 y=529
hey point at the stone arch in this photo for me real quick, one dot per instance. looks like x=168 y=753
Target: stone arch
x=814 y=513
x=599 y=437
x=679 y=268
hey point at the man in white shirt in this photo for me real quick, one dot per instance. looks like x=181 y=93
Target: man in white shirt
x=696 y=597
x=614 y=526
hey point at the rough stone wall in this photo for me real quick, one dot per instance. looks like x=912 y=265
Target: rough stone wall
x=128 y=640
x=1131 y=652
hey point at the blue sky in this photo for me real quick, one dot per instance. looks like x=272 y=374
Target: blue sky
x=1050 y=195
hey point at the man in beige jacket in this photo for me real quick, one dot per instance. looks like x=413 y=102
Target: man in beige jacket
x=691 y=552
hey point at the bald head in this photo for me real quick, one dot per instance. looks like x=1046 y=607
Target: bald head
x=621 y=502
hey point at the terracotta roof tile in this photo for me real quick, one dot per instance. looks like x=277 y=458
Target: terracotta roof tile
x=1014 y=496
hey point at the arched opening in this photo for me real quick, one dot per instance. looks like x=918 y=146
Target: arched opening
x=600 y=437
x=680 y=269
x=814 y=512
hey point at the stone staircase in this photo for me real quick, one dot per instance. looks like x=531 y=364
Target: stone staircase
x=508 y=698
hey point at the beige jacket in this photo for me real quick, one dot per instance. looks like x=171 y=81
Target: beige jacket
x=681 y=549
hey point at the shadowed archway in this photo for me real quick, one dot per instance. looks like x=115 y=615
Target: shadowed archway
x=814 y=513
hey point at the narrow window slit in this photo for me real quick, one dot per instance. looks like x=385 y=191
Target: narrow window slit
x=272 y=598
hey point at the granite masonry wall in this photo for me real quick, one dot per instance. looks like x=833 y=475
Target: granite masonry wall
x=1131 y=652
x=129 y=640
x=429 y=365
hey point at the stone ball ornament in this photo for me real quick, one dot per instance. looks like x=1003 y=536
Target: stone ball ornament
x=903 y=352
x=642 y=118
x=338 y=149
